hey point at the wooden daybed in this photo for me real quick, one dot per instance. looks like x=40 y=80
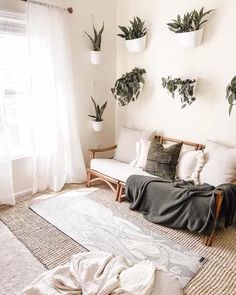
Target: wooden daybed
x=118 y=185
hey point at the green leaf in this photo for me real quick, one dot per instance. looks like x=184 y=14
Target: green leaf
x=230 y=109
x=231 y=98
x=99 y=38
x=95 y=34
x=92 y=41
x=121 y=35
x=103 y=108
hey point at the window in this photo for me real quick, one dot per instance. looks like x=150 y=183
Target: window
x=14 y=84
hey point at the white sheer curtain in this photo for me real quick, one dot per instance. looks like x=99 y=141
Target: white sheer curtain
x=12 y=33
x=6 y=182
x=58 y=157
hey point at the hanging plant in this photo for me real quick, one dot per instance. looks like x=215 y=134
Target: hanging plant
x=231 y=94
x=97 y=122
x=98 y=111
x=96 y=41
x=135 y=35
x=128 y=87
x=137 y=30
x=184 y=88
x=188 y=29
x=191 y=21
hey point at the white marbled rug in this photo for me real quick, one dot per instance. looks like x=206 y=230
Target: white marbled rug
x=96 y=228
x=18 y=267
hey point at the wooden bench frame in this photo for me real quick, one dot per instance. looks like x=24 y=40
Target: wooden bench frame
x=118 y=186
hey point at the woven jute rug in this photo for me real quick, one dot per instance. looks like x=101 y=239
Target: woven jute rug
x=52 y=247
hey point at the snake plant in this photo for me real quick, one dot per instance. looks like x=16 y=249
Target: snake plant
x=98 y=111
x=191 y=21
x=135 y=31
x=96 y=40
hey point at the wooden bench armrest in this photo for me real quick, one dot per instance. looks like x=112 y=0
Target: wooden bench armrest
x=92 y=152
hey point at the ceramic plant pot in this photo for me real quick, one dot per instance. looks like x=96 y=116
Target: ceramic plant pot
x=136 y=45
x=96 y=57
x=190 y=39
x=97 y=126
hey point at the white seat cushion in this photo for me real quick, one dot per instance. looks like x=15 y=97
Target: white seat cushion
x=116 y=169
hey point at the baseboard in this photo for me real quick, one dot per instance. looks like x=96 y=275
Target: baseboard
x=23 y=193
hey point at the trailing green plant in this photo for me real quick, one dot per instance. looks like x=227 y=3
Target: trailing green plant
x=183 y=87
x=128 y=87
x=191 y=21
x=96 y=39
x=98 y=111
x=231 y=94
x=135 y=31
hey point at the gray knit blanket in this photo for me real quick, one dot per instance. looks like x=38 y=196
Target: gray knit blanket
x=180 y=204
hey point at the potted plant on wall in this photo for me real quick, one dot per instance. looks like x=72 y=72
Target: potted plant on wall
x=97 y=122
x=96 y=41
x=231 y=94
x=188 y=29
x=129 y=86
x=135 y=35
x=183 y=88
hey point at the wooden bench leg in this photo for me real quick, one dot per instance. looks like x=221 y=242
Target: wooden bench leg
x=118 y=188
x=89 y=178
x=208 y=240
x=121 y=196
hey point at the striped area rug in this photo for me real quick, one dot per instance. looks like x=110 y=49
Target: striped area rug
x=52 y=248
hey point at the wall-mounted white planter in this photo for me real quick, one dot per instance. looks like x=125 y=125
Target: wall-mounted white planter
x=96 y=57
x=190 y=39
x=97 y=126
x=136 y=45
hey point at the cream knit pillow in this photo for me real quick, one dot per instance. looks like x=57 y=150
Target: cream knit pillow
x=190 y=164
x=220 y=166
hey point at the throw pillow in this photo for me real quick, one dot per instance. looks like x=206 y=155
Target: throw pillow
x=126 y=145
x=220 y=166
x=190 y=165
x=162 y=161
x=138 y=148
x=143 y=153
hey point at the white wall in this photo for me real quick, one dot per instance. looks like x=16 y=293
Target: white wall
x=84 y=13
x=213 y=63
x=85 y=73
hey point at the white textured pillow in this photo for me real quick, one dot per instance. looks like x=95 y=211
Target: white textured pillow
x=189 y=165
x=134 y=162
x=143 y=153
x=126 y=145
x=220 y=166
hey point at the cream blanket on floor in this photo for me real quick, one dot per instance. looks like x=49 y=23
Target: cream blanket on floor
x=100 y=273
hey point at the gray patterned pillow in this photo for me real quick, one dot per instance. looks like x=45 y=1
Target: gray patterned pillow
x=162 y=161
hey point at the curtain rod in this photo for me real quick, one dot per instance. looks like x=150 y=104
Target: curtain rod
x=69 y=9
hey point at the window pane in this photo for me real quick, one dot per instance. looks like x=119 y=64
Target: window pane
x=15 y=85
